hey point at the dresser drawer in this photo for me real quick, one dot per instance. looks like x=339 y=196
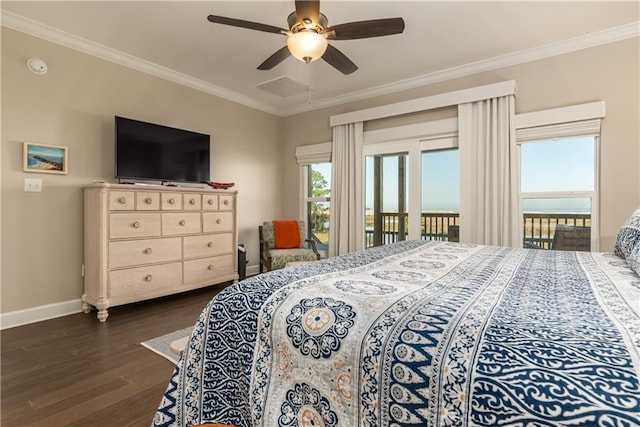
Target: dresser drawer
x=174 y=223
x=209 y=202
x=192 y=202
x=225 y=203
x=121 y=200
x=126 y=253
x=135 y=284
x=207 y=269
x=171 y=201
x=208 y=245
x=147 y=201
x=217 y=221
x=134 y=224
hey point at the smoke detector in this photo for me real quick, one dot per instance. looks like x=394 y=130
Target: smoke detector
x=37 y=65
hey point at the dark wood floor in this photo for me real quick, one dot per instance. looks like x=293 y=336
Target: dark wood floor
x=75 y=371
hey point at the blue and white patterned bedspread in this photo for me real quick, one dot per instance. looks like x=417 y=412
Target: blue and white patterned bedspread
x=418 y=334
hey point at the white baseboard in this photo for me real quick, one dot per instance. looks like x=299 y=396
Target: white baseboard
x=37 y=314
x=51 y=311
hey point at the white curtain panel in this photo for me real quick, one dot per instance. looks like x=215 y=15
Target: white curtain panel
x=488 y=185
x=345 y=208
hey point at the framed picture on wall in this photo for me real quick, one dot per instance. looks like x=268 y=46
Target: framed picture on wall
x=44 y=158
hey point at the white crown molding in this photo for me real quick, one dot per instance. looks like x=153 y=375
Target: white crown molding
x=597 y=38
x=586 y=41
x=37 y=29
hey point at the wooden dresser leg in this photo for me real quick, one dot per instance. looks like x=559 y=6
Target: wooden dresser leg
x=85 y=305
x=102 y=311
x=102 y=315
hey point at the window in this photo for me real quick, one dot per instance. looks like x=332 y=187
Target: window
x=317 y=199
x=386 y=182
x=558 y=187
x=440 y=217
x=411 y=190
x=558 y=163
x=315 y=191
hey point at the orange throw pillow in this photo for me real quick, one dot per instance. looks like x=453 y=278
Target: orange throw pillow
x=286 y=234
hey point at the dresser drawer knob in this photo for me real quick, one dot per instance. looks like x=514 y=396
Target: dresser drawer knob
x=122 y=200
x=218 y=221
x=210 y=267
x=182 y=222
x=192 y=201
x=210 y=244
x=147 y=251
x=210 y=201
x=148 y=278
x=148 y=200
x=136 y=224
x=226 y=202
x=172 y=201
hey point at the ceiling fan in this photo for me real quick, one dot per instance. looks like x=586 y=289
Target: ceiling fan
x=308 y=35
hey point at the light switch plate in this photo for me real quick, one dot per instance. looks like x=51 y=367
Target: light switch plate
x=33 y=185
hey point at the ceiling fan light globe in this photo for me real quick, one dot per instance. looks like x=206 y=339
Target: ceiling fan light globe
x=307 y=46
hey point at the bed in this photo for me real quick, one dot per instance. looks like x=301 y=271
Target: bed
x=418 y=333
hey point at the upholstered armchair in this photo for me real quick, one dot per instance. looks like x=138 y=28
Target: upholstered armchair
x=282 y=242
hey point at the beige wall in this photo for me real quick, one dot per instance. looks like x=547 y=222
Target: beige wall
x=609 y=73
x=73 y=105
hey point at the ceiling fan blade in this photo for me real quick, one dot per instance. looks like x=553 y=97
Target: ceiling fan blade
x=308 y=9
x=245 y=24
x=365 y=29
x=275 y=59
x=339 y=61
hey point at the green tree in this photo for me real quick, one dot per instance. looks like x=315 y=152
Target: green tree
x=319 y=211
x=319 y=186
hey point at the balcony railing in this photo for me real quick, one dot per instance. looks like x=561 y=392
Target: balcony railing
x=538 y=227
x=394 y=227
x=435 y=225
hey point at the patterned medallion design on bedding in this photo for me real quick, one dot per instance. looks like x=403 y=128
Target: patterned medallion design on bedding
x=316 y=326
x=305 y=407
x=415 y=334
x=364 y=287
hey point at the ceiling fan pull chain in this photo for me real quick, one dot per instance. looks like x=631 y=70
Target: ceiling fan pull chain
x=308 y=88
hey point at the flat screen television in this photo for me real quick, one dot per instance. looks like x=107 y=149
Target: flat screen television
x=147 y=151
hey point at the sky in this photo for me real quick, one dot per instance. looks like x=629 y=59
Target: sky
x=555 y=165
x=546 y=166
x=566 y=165
x=440 y=182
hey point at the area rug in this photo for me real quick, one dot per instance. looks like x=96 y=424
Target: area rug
x=161 y=345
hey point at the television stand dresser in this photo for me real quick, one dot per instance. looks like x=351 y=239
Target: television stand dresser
x=148 y=241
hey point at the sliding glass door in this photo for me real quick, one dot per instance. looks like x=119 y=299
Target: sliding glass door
x=411 y=191
x=440 y=195
x=386 y=219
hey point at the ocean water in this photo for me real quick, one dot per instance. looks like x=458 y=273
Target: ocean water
x=32 y=162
